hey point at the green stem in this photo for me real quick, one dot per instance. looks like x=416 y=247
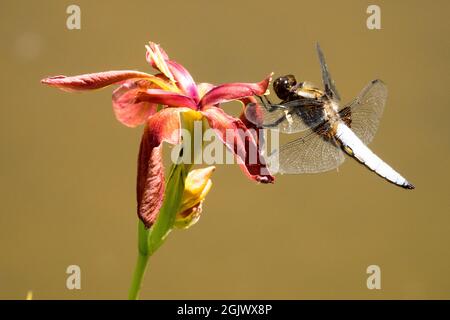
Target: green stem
x=139 y=271
x=149 y=240
x=141 y=264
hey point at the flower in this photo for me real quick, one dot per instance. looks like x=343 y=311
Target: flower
x=136 y=102
x=197 y=185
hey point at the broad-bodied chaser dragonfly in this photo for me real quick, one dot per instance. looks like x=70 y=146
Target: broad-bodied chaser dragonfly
x=329 y=130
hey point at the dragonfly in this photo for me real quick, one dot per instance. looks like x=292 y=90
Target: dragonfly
x=329 y=130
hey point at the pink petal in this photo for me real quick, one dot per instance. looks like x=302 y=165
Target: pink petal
x=158 y=58
x=258 y=115
x=92 y=81
x=174 y=71
x=163 y=126
x=129 y=111
x=233 y=91
x=242 y=144
x=203 y=88
x=184 y=80
x=166 y=98
x=155 y=51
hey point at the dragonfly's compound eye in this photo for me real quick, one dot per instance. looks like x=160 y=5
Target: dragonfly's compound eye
x=283 y=85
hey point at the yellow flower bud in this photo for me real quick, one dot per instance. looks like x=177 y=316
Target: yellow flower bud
x=197 y=186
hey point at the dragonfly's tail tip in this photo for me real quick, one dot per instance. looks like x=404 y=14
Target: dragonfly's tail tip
x=409 y=186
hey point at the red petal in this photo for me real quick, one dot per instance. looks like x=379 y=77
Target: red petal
x=92 y=80
x=184 y=80
x=166 y=98
x=233 y=91
x=163 y=126
x=159 y=60
x=150 y=181
x=127 y=110
x=241 y=142
x=257 y=116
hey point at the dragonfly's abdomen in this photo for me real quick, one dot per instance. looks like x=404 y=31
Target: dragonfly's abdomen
x=353 y=146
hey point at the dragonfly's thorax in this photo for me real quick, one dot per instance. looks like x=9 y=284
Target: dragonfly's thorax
x=331 y=114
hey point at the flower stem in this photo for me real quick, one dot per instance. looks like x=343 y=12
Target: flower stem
x=149 y=240
x=139 y=271
x=141 y=264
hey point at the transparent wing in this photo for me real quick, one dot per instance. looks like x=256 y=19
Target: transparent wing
x=364 y=113
x=310 y=154
x=289 y=117
x=329 y=86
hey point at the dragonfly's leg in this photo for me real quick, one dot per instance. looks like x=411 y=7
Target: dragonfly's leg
x=268 y=101
x=268 y=105
x=274 y=106
x=264 y=103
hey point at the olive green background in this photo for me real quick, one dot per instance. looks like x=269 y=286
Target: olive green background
x=68 y=167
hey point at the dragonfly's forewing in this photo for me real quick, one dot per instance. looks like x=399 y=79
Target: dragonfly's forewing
x=329 y=86
x=366 y=110
x=290 y=117
x=310 y=154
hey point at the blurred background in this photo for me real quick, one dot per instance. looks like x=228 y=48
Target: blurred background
x=68 y=167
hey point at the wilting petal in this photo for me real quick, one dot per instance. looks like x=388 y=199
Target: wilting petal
x=184 y=80
x=174 y=71
x=241 y=141
x=150 y=181
x=250 y=125
x=258 y=115
x=163 y=126
x=233 y=91
x=127 y=110
x=203 y=88
x=172 y=99
x=157 y=58
x=92 y=81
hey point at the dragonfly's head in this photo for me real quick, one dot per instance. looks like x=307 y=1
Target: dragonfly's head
x=283 y=85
